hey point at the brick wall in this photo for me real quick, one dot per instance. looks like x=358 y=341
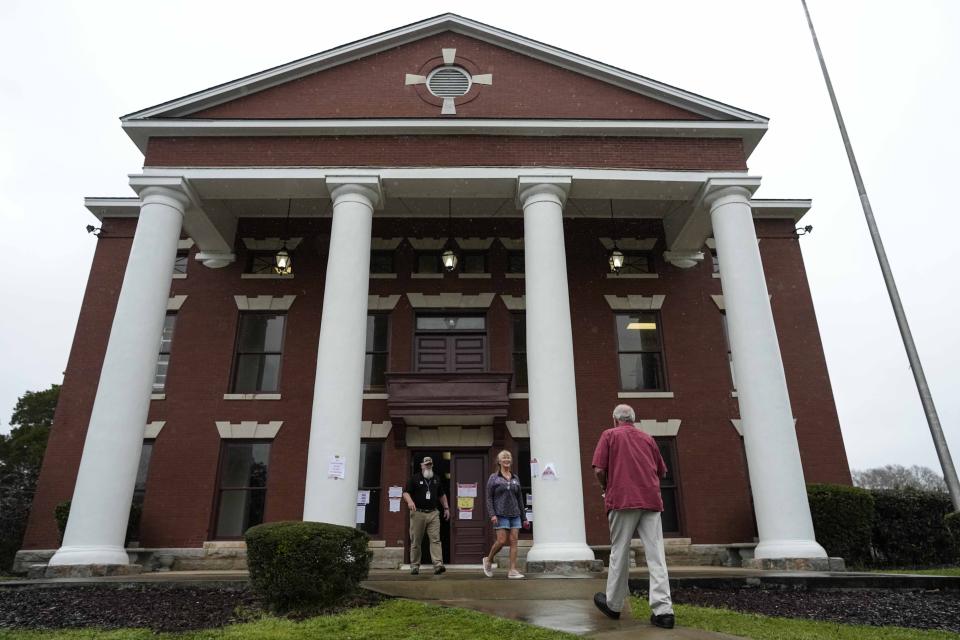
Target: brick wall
x=714 y=486
x=373 y=87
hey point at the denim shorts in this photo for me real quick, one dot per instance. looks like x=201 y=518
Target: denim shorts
x=507 y=522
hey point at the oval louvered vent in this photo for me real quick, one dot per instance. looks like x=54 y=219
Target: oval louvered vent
x=449 y=82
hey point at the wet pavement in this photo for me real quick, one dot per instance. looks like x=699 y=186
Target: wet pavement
x=554 y=603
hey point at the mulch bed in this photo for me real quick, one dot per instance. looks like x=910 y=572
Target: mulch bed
x=152 y=606
x=877 y=607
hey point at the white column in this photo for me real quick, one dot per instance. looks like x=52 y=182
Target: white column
x=111 y=453
x=559 y=532
x=338 y=394
x=769 y=437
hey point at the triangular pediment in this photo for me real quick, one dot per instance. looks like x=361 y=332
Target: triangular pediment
x=386 y=76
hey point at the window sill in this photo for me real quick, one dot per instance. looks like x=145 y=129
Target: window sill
x=514 y=276
x=383 y=276
x=375 y=396
x=518 y=396
x=645 y=394
x=158 y=396
x=426 y=276
x=179 y=276
x=251 y=396
x=633 y=276
x=474 y=276
x=265 y=276
x=733 y=394
x=715 y=275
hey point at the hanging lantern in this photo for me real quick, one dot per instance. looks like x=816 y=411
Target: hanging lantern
x=615 y=260
x=284 y=266
x=449 y=259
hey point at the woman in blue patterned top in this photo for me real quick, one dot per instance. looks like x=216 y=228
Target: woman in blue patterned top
x=505 y=506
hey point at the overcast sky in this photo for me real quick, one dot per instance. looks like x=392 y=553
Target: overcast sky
x=71 y=69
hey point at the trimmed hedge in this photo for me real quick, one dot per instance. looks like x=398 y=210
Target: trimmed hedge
x=842 y=520
x=909 y=529
x=306 y=565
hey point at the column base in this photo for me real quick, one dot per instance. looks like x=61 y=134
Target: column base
x=796 y=564
x=789 y=548
x=559 y=551
x=90 y=555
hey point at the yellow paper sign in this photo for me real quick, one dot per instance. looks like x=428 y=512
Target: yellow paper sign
x=464 y=503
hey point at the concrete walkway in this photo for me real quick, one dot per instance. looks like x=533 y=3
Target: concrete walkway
x=554 y=603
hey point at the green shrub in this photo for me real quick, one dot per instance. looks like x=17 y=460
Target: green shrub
x=909 y=529
x=62 y=513
x=952 y=522
x=842 y=520
x=306 y=565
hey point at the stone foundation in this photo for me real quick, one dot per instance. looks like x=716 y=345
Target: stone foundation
x=564 y=567
x=796 y=564
x=213 y=556
x=84 y=570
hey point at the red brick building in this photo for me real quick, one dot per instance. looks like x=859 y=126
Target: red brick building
x=370 y=164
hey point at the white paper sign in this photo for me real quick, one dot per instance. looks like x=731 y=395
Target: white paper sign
x=549 y=472
x=467 y=490
x=534 y=467
x=363 y=497
x=529 y=499
x=529 y=516
x=394 y=505
x=336 y=468
x=395 y=492
x=361 y=513
x=466 y=515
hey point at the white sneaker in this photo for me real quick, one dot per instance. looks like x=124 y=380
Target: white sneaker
x=515 y=575
x=487 y=567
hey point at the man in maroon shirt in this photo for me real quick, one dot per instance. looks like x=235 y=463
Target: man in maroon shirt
x=629 y=466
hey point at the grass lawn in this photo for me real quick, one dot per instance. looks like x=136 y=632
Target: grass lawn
x=947 y=571
x=392 y=620
x=759 y=627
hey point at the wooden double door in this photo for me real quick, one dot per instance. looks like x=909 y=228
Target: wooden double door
x=466 y=537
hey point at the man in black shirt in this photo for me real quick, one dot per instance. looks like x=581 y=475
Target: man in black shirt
x=423 y=494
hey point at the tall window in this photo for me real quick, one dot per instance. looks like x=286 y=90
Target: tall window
x=259 y=352
x=381 y=261
x=180 y=264
x=429 y=262
x=371 y=456
x=726 y=340
x=637 y=262
x=668 y=486
x=640 y=352
x=375 y=363
x=163 y=360
x=515 y=262
x=519 y=321
x=473 y=262
x=242 y=491
x=140 y=487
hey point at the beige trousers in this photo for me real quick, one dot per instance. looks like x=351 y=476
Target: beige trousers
x=430 y=522
x=647 y=524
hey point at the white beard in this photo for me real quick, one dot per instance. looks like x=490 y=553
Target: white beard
x=427 y=474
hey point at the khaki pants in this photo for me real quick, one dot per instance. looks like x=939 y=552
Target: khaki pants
x=430 y=522
x=647 y=524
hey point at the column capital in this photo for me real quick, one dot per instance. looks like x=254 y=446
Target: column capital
x=364 y=189
x=174 y=191
x=532 y=189
x=719 y=194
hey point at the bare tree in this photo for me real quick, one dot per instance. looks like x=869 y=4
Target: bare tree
x=895 y=476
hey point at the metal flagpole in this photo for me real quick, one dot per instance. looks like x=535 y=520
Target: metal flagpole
x=939 y=442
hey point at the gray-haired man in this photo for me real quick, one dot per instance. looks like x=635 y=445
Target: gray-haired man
x=629 y=466
x=424 y=493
